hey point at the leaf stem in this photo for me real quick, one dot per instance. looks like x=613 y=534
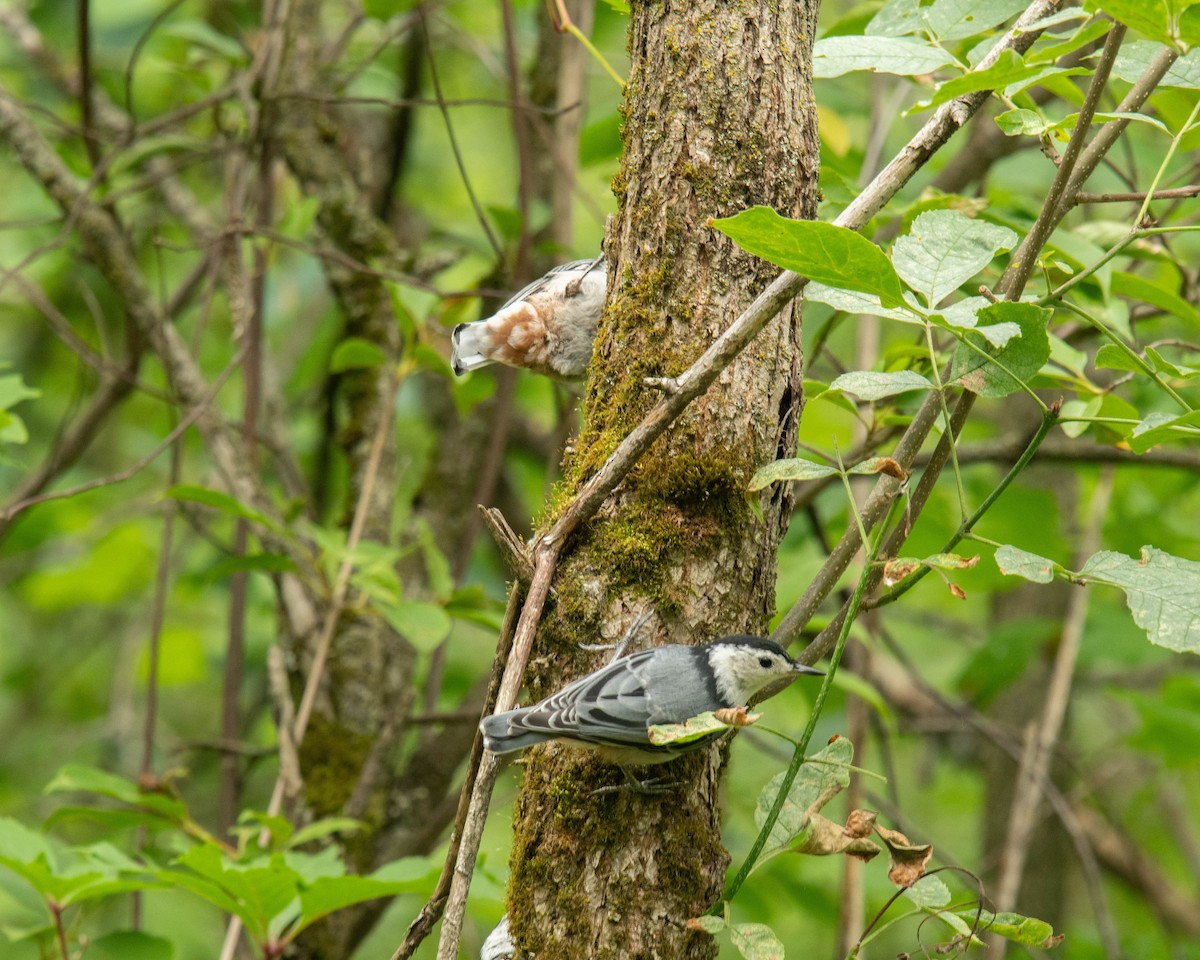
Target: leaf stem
x=1133 y=355
x=937 y=379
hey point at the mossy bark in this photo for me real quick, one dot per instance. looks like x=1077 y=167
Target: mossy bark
x=718 y=117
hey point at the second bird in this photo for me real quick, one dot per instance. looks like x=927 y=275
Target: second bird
x=547 y=327
x=613 y=708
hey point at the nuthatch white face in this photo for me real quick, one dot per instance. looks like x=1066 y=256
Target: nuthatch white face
x=613 y=708
x=548 y=327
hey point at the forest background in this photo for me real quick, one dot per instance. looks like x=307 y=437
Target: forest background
x=241 y=561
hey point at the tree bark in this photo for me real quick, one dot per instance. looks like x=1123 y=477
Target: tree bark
x=718 y=117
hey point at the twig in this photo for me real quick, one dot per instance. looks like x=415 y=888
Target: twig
x=285 y=709
x=108 y=246
x=1172 y=193
x=1025 y=256
x=1035 y=768
x=512 y=548
x=194 y=414
x=480 y=215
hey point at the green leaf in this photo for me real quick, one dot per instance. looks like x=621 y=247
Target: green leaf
x=323 y=828
x=21 y=845
x=872 y=385
x=1112 y=357
x=756 y=941
x=1023 y=357
x=1135 y=57
x=964 y=315
x=130 y=945
x=13 y=390
x=1022 y=123
x=929 y=893
x=958 y=19
x=425 y=625
x=1162 y=365
x=1149 y=17
x=834 y=56
x=944 y=249
x=1019 y=563
x=709 y=924
x=694 y=728
x=223 y=502
x=1159 y=428
x=896 y=19
x=850 y=301
x=820 y=251
x=261 y=892
x=86 y=779
x=1009 y=68
x=793 y=468
x=812 y=780
x=355 y=353
x=328 y=894
x=1162 y=592
x=1028 y=931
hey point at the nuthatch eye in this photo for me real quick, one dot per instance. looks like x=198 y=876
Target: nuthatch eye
x=613 y=708
x=548 y=327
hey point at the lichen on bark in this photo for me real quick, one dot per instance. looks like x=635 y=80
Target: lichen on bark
x=718 y=116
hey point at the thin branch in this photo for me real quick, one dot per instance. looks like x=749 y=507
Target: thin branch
x=109 y=248
x=195 y=414
x=1035 y=768
x=1172 y=193
x=480 y=215
x=1025 y=256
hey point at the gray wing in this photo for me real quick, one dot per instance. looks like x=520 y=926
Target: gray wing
x=599 y=265
x=617 y=703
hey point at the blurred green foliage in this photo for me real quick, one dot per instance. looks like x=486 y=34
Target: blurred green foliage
x=78 y=572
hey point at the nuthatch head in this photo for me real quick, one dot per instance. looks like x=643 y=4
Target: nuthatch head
x=548 y=327
x=613 y=708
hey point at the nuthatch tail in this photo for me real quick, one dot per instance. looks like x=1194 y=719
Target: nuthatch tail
x=613 y=708
x=548 y=327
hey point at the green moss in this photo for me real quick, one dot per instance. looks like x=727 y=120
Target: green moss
x=331 y=757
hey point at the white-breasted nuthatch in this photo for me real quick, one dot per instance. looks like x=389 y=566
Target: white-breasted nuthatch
x=612 y=709
x=547 y=327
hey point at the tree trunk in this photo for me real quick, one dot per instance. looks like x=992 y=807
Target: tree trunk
x=718 y=117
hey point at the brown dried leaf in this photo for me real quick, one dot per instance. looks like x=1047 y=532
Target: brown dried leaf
x=908 y=859
x=824 y=838
x=896 y=570
x=957 y=591
x=892 y=468
x=860 y=823
x=736 y=716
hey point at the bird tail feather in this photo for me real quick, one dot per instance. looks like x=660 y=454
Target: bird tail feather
x=500 y=736
x=468 y=342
